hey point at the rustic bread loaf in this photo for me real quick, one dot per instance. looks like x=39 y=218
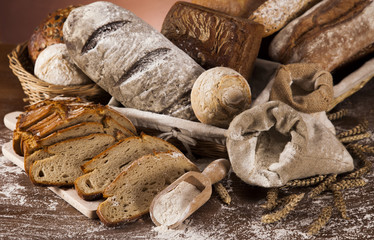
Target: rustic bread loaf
x=55 y=66
x=136 y=64
x=275 y=14
x=49 y=117
x=49 y=32
x=212 y=38
x=238 y=8
x=104 y=168
x=131 y=193
x=329 y=33
x=63 y=165
x=218 y=95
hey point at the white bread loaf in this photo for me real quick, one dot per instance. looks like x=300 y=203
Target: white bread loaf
x=131 y=193
x=136 y=64
x=55 y=66
x=104 y=168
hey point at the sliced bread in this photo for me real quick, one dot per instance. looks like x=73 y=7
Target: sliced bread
x=105 y=167
x=65 y=158
x=130 y=195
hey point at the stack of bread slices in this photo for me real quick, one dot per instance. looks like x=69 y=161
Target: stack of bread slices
x=69 y=142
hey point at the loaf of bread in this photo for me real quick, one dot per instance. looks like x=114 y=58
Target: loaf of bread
x=129 y=59
x=238 y=8
x=62 y=166
x=275 y=14
x=212 y=38
x=49 y=32
x=104 y=168
x=329 y=33
x=130 y=195
x=53 y=120
x=55 y=66
x=218 y=95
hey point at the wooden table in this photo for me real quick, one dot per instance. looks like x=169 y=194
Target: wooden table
x=32 y=212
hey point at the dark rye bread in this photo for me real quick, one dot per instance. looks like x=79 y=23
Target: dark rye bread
x=136 y=64
x=329 y=33
x=105 y=167
x=44 y=119
x=212 y=38
x=60 y=164
x=130 y=195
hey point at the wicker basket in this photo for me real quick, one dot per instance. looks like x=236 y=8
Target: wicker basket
x=37 y=90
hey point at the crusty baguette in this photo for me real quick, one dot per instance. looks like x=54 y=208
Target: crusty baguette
x=130 y=194
x=64 y=161
x=104 y=168
x=329 y=33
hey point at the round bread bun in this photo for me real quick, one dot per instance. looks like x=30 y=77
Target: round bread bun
x=218 y=95
x=55 y=66
x=48 y=32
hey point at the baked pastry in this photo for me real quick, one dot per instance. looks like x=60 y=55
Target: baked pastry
x=136 y=64
x=212 y=38
x=238 y=8
x=130 y=195
x=104 y=168
x=55 y=66
x=329 y=33
x=275 y=14
x=48 y=32
x=35 y=126
x=218 y=95
x=64 y=159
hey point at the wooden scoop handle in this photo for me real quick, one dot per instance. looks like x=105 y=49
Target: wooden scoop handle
x=217 y=170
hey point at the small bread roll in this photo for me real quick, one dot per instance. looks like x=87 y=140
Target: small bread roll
x=218 y=95
x=55 y=66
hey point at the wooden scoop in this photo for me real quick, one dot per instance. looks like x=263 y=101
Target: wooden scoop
x=213 y=173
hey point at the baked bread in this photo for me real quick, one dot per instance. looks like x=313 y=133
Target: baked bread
x=212 y=38
x=275 y=14
x=104 y=168
x=49 y=32
x=329 y=33
x=55 y=66
x=47 y=117
x=130 y=195
x=136 y=64
x=65 y=158
x=238 y=8
x=218 y=95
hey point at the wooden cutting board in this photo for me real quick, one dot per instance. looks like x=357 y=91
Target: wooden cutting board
x=88 y=208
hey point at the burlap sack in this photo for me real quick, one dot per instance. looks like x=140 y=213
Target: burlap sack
x=273 y=143
x=305 y=87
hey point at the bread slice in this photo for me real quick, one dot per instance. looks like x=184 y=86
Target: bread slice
x=131 y=193
x=47 y=117
x=63 y=165
x=105 y=167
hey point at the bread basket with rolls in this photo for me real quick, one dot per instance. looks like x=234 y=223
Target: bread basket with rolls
x=22 y=61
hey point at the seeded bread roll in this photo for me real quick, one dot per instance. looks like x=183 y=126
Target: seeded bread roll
x=130 y=195
x=330 y=33
x=49 y=32
x=129 y=59
x=104 y=168
x=63 y=165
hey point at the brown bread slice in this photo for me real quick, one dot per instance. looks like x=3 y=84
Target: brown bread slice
x=105 y=167
x=131 y=193
x=63 y=165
